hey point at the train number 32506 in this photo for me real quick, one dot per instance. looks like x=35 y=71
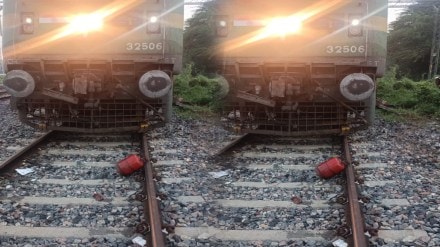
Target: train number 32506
x=145 y=46
x=341 y=49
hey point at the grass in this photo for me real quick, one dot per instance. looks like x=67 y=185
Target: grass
x=412 y=100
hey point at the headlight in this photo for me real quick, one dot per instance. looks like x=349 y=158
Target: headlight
x=221 y=26
x=153 y=19
x=27 y=23
x=355 y=28
x=153 y=23
x=355 y=22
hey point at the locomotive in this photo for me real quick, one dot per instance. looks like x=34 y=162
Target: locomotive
x=299 y=68
x=92 y=66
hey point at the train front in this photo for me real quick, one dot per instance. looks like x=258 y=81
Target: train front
x=300 y=67
x=92 y=66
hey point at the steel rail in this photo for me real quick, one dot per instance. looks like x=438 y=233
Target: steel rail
x=151 y=206
x=354 y=214
x=26 y=150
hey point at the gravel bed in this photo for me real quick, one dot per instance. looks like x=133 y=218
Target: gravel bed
x=20 y=214
x=273 y=176
x=53 y=172
x=224 y=191
x=295 y=218
x=412 y=155
x=278 y=194
x=13 y=131
x=89 y=242
x=21 y=188
x=213 y=242
x=72 y=146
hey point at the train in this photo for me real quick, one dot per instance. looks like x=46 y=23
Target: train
x=298 y=68
x=92 y=66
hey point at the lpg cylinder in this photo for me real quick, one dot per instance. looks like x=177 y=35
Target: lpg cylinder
x=130 y=164
x=330 y=168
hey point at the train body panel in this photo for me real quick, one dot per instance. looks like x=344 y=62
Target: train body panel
x=124 y=32
x=87 y=60
x=324 y=34
x=300 y=67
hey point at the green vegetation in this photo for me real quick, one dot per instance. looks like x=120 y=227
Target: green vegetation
x=409 y=49
x=410 y=41
x=411 y=99
x=198 y=93
x=198 y=40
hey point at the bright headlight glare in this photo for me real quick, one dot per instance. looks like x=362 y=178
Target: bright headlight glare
x=28 y=20
x=86 y=23
x=355 y=28
x=355 y=22
x=284 y=26
x=153 y=19
x=222 y=23
x=153 y=24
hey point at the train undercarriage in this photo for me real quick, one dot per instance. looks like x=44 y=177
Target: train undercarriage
x=91 y=96
x=298 y=99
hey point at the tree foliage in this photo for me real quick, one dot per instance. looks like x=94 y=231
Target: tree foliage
x=198 y=39
x=410 y=39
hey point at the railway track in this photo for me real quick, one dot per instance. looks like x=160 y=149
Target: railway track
x=266 y=193
x=75 y=196
x=394 y=216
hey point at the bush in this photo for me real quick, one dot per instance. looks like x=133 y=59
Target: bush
x=421 y=97
x=197 y=90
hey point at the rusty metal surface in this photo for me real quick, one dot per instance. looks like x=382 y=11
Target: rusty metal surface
x=354 y=214
x=25 y=151
x=151 y=206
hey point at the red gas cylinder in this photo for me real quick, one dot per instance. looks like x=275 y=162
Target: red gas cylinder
x=130 y=164
x=330 y=168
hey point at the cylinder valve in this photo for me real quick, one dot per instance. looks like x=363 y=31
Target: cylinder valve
x=19 y=83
